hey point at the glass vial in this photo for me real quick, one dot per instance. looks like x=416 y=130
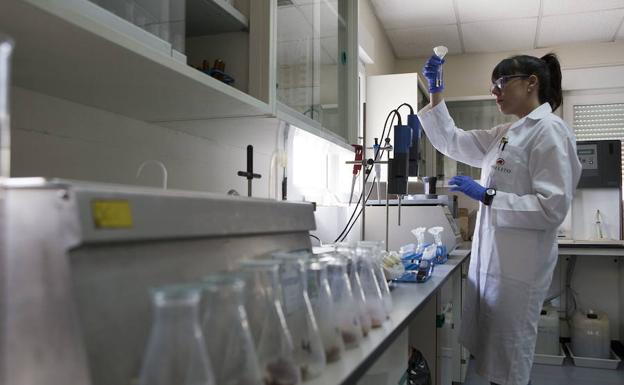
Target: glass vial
x=272 y=339
x=176 y=352
x=323 y=307
x=226 y=331
x=374 y=252
x=309 y=351
x=345 y=307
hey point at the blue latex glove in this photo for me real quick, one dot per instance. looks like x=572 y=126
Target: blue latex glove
x=432 y=71
x=468 y=186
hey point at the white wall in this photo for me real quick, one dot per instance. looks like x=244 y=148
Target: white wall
x=383 y=54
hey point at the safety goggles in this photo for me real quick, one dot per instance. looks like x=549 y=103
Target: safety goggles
x=499 y=84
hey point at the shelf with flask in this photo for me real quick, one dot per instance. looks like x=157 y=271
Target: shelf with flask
x=79 y=51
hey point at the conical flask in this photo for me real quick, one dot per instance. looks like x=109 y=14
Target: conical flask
x=309 y=351
x=272 y=339
x=323 y=307
x=372 y=293
x=347 y=252
x=373 y=251
x=345 y=307
x=226 y=332
x=176 y=352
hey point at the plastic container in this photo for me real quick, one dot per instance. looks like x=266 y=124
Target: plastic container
x=598 y=363
x=309 y=350
x=267 y=323
x=547 y=359
x=548 y=333
x=324 y=310
x=176 y=342
x=226 y=331
x=346 y=308
x=591 y=336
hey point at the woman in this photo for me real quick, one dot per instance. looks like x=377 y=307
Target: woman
x=529 y=171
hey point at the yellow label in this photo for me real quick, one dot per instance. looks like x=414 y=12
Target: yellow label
x=111 y=214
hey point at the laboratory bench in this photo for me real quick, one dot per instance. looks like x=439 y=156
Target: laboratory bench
x=608 y=248
x=408 y=300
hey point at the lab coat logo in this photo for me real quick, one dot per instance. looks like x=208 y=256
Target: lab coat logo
x=498 y=166
x=500 y=161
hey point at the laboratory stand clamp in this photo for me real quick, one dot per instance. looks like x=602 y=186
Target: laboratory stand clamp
x=249 y=174
x=401 y=161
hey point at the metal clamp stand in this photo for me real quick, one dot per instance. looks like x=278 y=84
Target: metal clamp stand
x=249 y=174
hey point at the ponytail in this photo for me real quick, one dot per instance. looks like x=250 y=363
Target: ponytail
x=552 y=93
x=547 y=70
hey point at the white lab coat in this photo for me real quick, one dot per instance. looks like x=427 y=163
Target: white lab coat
x=514 y=247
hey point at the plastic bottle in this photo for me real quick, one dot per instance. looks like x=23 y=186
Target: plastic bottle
x=226 y=331
x=591 y=335
x=271 y=336
x=419 y=233
x=176 y=352
x=441 y=252
x=548 y=333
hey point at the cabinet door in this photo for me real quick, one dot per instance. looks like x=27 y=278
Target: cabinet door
x=313 y=61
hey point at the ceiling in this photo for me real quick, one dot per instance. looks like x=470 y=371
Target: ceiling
x=414 y=27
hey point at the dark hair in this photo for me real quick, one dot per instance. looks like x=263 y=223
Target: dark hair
x=546 y=68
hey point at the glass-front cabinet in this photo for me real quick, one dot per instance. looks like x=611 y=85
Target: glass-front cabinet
x=314 y=58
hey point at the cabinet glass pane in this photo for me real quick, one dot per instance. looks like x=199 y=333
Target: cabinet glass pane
x=311 y=39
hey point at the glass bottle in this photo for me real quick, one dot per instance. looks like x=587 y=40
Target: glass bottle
x=176 y=352
x=323 y=307
x=374 y=252
x=226 y=332
x=309 y=352
x=346 y=308
x=372 y=293
x=272 y=339
x=347 y=252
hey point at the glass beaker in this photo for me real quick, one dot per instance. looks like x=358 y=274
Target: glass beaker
x=346 y=308
x=309 y=351
x=176 y=351
x=323 y=307
x=226 y=331
x=6 y=48
x=374 y=252
x=347 y=252
x=372 y=293
x=269 y=330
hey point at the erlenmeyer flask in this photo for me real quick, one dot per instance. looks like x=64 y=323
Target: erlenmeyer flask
x=309 y=352
x=347 y=252
x=269 y=330
x=176 y=352
x=323 y=307
x=373 y=251
x=346 y=308
x=226 y=332
x=374 y=299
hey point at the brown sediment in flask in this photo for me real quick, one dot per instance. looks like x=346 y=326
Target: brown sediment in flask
x=280 y=372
